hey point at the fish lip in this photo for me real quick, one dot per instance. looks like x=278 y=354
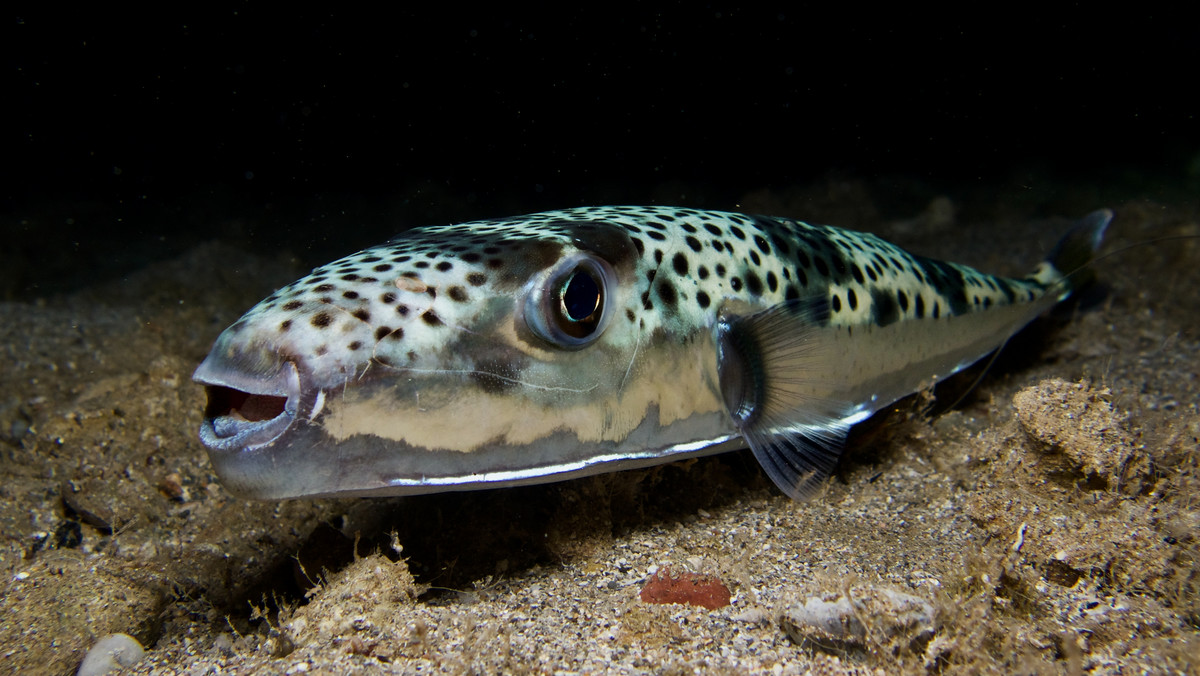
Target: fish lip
x=224 y=430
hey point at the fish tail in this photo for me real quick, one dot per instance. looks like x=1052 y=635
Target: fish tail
x=1068 y=267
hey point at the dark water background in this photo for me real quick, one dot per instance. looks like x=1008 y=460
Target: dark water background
x=132 y=137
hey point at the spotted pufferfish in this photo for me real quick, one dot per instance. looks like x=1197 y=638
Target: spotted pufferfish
x=567 y=343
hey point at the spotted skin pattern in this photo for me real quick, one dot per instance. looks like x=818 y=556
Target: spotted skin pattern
x=357 y=379
x=398 y=301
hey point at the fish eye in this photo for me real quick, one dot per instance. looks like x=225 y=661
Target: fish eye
x=580 y=304
x=570 y=307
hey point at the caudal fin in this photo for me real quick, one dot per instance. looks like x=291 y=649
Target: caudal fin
x=1068 y=266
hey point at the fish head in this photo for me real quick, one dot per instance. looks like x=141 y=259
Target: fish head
x=452 y=357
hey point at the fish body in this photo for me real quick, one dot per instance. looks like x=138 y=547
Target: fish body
x=567 y=343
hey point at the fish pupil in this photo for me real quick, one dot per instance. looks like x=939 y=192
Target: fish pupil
x=580 y=297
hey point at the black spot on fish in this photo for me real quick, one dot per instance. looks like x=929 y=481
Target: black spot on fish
x=753 y=284
x=667 y=293
x=688 y=227
x=285 y=325
x=857 y=272
x=702 y=272
x=761 y=243
x=471 y=257
x=355 y=345
x=421 y=264
x=657 y=236
x=388 y=298
x=1007 y=290
x=801 y=277
x=883 y=307
x=852 y=299
x=381 y=332
x=720 y=271
x=803 y=259
x=658 y=256
x=641 y=248
x=902 y=299
x=321 y=350
x=736 y=283
x=350 y=277
x=919 y=306
x=321 y=320
x=772 y=282
x=362 y=315
x=323 y=288
x=680 y=263
x=781 y=245
x=382 y=267
x=703 y=299
x=430 y=318
x=402 y=310
x=737 y=232
x=835 y=303
x=495 y=263
x=629 y=314
x=947 y=281
x=822 y=267
x=292 y=305
x=457 y=293
x=646 y=304
x=754 y=257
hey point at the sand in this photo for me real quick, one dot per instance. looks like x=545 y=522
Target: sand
x=1046 y=522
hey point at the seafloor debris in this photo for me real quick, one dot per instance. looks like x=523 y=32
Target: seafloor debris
x=849 y=621
x=685 y=587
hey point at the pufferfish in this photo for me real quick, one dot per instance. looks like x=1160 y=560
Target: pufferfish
x=567 y=343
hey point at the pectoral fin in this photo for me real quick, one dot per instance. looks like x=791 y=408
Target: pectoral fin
x=776 y=367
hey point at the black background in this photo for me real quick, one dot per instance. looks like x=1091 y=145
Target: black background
x=134 y=135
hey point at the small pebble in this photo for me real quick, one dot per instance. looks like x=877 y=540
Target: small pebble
x=110 y=653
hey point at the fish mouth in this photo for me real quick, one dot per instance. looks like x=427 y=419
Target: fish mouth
x=246 y=412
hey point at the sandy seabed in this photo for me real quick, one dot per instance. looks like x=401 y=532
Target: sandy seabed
x=1045 y=523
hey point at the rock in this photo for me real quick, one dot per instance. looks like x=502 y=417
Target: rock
x=839 y=623
x=1078 y=433
x=110 y=653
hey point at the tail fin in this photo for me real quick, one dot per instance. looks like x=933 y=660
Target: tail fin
x=1068 y=266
